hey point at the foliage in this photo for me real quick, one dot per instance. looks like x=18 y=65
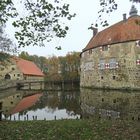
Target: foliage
x=137 y=1
x=7 y=10
x=70 y=130
x=64 y=68
x=52 y=68
x=57 y=68
x=70 y=66
x=107 y=6
x=6 y=44
x=3 y=57
x=41 y=21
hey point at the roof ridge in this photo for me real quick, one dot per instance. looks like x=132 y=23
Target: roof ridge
x=122 y=31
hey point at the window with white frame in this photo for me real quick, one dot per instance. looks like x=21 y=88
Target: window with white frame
x=102 y=64
x=112 y=63
x=89 y=66
x=138 y=43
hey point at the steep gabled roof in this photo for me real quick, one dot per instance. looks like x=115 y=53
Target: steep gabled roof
x=28 y=67
x=124 y=31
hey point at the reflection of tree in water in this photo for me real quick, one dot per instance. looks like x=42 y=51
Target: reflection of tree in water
x=58 y=100
x=70 y=101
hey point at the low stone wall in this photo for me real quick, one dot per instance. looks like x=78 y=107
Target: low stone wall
x=21 y=84
x=4 y=84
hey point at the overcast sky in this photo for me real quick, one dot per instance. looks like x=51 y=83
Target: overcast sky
x=79 y=35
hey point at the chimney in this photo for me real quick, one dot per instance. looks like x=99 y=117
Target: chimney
x=133 y=11
x=124 y=17
x=95 y=30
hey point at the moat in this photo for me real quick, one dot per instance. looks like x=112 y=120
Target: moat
x=76 y=104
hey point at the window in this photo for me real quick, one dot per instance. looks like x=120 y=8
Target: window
x=104 y=48
x=102 y=77
x=138 y=43
x=114 y=77
x=112 y=63
x=13 y=68
x=90 y=51
x=18 y=75
x=114 y=101
x=89 y=66
x=102 y=64
x=138 y=62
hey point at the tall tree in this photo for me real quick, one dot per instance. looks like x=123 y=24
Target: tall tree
x=6 y=44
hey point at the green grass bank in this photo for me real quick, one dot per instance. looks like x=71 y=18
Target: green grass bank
x=70 y=130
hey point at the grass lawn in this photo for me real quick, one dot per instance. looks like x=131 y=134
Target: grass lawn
x=70 y=130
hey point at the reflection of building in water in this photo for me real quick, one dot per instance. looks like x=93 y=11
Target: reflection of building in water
x=18 y=102
x=110 y=104
x=8 y=103
x=25 y=103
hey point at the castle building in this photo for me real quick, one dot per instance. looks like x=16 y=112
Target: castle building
x=111 y=59
x=20 y=69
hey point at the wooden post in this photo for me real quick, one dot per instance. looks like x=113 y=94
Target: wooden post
x=53 y=85
x=14 y=118
x=63 y=85
x=29 y=85
x=0 y=116
x=72 y=84
x=24 y=118
x=0 y=111
x=35 y=117
x=40 y=85
x=10 y=117
x=27 y=117
x=19 y=117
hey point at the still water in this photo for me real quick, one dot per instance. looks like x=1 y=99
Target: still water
x=85 y=103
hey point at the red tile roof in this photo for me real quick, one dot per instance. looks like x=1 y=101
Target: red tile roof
x=28 y=67
x=123 y=31
x=26 y=102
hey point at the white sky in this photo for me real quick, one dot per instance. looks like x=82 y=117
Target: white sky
x=79 y=35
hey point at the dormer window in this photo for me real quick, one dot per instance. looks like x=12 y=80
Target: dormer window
x=104 y=48
x=90 y=51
